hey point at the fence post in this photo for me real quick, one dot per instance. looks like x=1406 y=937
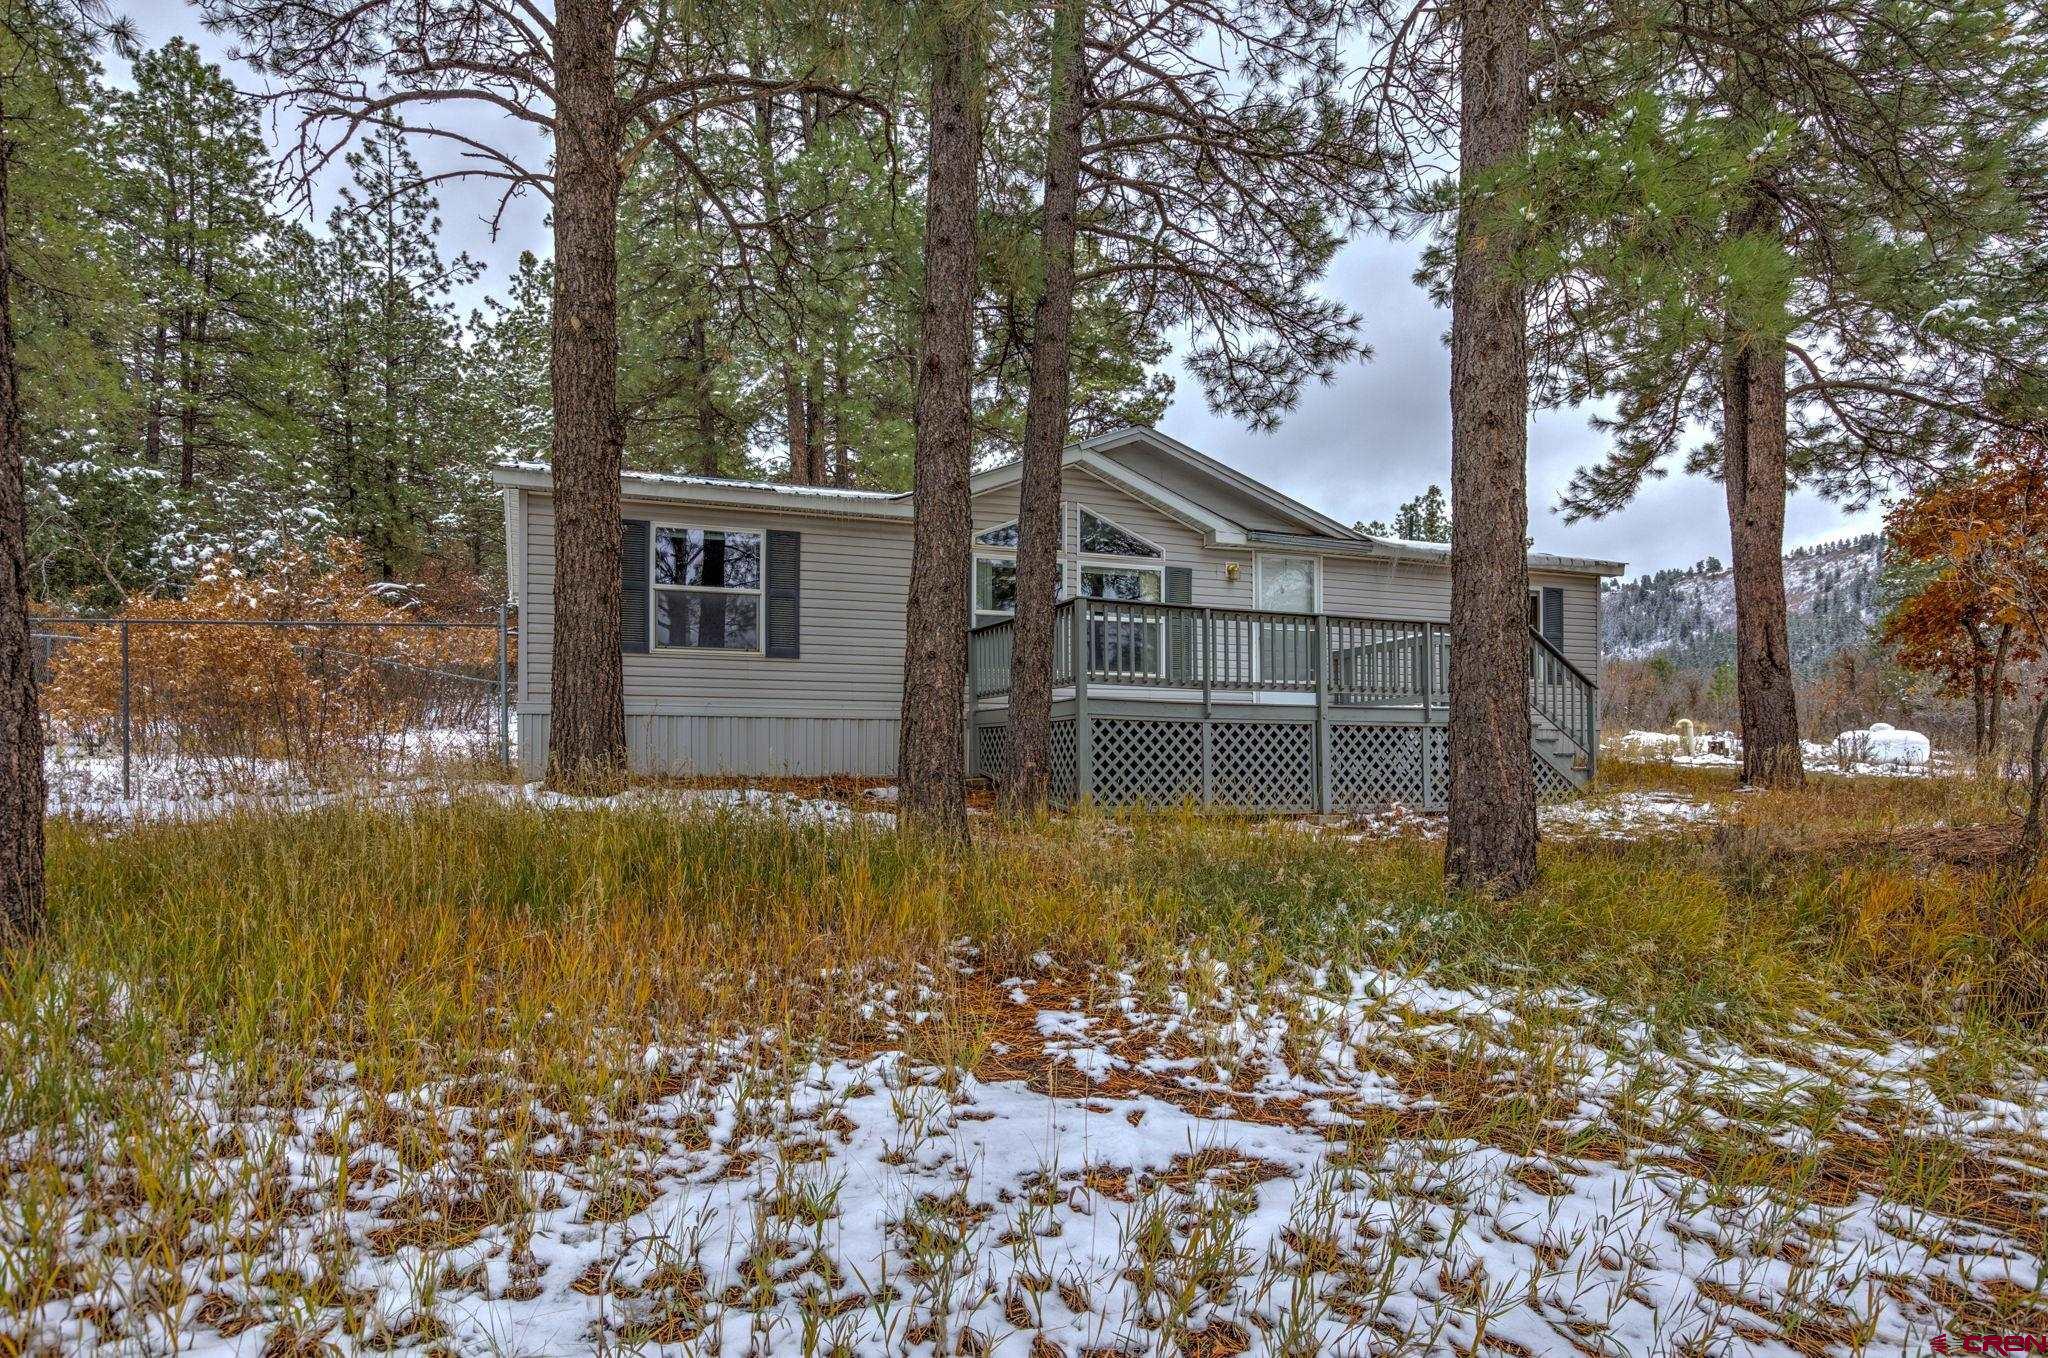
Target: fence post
x=127 y=742
x=504 y=691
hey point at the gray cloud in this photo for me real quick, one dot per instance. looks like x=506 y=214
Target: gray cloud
x=1380 y=431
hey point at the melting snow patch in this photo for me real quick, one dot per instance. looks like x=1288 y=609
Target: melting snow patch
x=1288 y=1167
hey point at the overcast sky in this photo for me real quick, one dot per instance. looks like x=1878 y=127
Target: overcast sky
x=1355 y=449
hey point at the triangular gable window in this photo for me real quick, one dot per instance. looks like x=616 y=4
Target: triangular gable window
x=1100 y=537
x=1002 y=535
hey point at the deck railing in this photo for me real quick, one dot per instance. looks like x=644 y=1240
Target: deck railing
x=1341 y=660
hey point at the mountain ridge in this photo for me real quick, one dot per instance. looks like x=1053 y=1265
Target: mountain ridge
x=1687 y=615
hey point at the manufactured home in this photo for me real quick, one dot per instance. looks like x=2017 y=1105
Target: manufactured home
x=1215 y=639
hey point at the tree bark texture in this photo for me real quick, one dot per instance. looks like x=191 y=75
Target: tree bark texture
x=1753 y=474
x=1491 y=844
x=1045 y=425
x=21 y=732
x=931 y=762
x=587 y=730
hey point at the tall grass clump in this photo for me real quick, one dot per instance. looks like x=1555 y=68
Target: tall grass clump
x=398 y=939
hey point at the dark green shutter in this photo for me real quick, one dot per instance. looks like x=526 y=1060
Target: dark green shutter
x=1553 y=616
x=785 y=593
x=1180 y=627
x=633 y=546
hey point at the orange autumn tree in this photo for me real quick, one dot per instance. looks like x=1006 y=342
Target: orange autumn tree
x=1982 y=613
x=1948 y=628
x=231 y=695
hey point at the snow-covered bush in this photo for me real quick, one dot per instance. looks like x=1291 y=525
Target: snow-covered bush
x=1884 y=744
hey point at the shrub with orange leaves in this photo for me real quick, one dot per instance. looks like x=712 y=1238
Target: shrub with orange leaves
x=1980 y=614
x=364 y=696
x=1983 y=539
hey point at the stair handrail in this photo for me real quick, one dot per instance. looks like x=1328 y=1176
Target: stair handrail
x=1587 y=736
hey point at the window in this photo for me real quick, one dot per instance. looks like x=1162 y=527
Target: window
x=1124 y=586
x=1100 y=537
x=995 y=584
x=1003 y=535
x=1125 y=645
x=707 y=589
x=995 y=587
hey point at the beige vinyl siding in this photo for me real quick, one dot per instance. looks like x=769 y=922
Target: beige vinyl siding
x=1421 y=590
x=1233 y=504
x=855 y=576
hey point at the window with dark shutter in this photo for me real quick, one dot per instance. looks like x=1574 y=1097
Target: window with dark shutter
x=633 y=537
x=1553 y=616
x=785 y=594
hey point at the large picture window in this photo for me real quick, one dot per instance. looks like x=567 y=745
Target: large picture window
x=707 y=589
x=1129 y=646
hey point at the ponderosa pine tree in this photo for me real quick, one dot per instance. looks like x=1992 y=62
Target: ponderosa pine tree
x=601 y=81
x=931 y=766
x=34 y=42
x=1456 y=85
x=1045 y=418
x=21 y=727
x=1797 y=225
x=1426 y=518
x=1490 y=844
x=193 y=183
x=1203 y=165
x=390 y=403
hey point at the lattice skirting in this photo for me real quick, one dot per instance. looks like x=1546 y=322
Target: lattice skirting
x=1251 y=765
x=1062 y=762
x=1265 y=765
x=989 y=754
x=1551 y=784
x=1375 y=765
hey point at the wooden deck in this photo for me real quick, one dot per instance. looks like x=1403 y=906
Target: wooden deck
x=1261 y=711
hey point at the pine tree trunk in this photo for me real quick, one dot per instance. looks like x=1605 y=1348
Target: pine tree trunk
x=188 y=410
x=1045 y=426
x=587 y=727
x=1491 y=844
x=21 y=731
x=703 y=405
x=815 y=472
x=931 y=762
x=1753 y=474
x=842 y=450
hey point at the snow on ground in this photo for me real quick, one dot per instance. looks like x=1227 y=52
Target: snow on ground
x=1880 y=752
x=1351 y=1162
x=1623 y=815
x=89 y=788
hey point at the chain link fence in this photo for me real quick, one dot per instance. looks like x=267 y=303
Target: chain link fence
x=171 y=709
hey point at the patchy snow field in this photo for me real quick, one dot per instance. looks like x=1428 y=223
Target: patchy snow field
x=89 y=788
x=1618 y=816
x=1350 y=1163
x=1876 y=753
